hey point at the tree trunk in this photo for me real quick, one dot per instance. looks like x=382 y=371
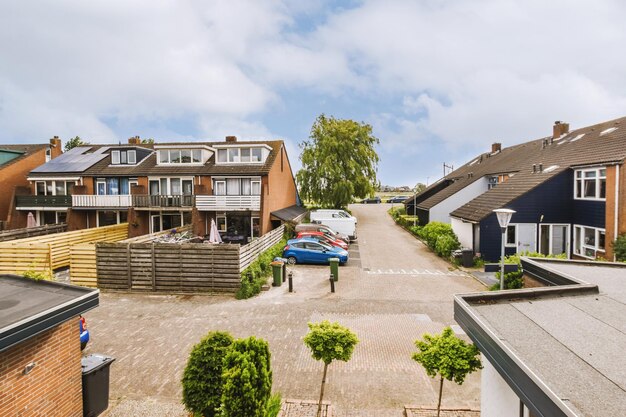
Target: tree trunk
x=440 y=392
x=319 y=406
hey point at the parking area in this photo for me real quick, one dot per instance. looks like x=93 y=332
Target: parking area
x=383 y=294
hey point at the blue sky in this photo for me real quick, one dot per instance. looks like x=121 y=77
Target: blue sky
x=439 y=80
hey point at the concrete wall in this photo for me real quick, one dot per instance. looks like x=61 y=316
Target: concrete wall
x=54 y=386
x=278 y=189
x=464 y=231
x=441 y=212
x=497 y=399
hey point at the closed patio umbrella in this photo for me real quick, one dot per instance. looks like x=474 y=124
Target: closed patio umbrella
x=31 y=221
x=214 y=235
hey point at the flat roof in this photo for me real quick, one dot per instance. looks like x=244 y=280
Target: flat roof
x=560 y=348
x=29 y=307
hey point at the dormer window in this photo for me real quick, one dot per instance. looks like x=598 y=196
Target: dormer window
x=240 y=155
x=180 y=156
x=124 y=157
x=590 y=184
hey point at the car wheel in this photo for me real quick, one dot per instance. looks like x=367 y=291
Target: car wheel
x=292 y=260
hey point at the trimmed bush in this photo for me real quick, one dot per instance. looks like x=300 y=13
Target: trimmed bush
x=515 y=280
x=619 y=248
x=255 y=275
x=445 y=244
x=202 y=378
x=247 y=379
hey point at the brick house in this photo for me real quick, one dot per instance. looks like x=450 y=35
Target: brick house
x=16 y=161
x=40 y=357
x=154 y=187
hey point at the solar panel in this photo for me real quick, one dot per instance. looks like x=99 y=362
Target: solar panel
x=77 y=159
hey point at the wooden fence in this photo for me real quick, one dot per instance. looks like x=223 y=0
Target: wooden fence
x=32 y=231
x=58 y=246
x=22 y=258
x=250 y=252
x=168 y=267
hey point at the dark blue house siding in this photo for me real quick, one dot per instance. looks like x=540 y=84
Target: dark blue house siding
x=553 y=200
x=589 y=213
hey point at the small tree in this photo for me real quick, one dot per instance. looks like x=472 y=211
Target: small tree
x=74 y=142
x=247 y=379
x=619 y=248
x=202 y=378
x=447 y=356
x=329 y=341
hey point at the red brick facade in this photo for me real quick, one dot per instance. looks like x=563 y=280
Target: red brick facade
x=54 y=386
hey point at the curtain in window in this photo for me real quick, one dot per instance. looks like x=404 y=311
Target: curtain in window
x=112 y=186
x=246 y=187
x=232 y=186
x=124 y=188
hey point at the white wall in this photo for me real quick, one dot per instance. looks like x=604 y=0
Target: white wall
x=497 y=399
x=463 y=231
x=441 y=212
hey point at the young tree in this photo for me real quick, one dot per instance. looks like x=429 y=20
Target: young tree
x=202 y=378
x=329 y=341
x=339 y=162
x=149 y=141
x=447 y=356
x=74 y=142
x=247 y=379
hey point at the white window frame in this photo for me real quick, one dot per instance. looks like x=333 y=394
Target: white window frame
x=134 y=157
x=252 y=182
x=580 y=247
x=237 y=159
x=217 y=222
x=98 y=182
x=54 y=186
x=115 y=156
x=551 y=225
x=506 y=237
x=180 y=151
x=117 y=216
x=223 y=182
x=168 y=180
x=580 y=182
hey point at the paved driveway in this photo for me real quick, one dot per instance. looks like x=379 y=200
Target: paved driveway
x=392 y=291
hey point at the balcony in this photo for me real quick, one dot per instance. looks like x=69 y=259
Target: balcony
x=228 y=202
x=101 y=201
x=25 y=202
x=163 y=201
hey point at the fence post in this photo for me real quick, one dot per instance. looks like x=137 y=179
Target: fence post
x=128 y=269
x=153 y=270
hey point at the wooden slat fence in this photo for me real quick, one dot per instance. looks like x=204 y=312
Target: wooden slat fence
x=83 y=265
x=19 y=259
x=32 y=231
x=59 y=243
x=250 y=252
x=168 y=267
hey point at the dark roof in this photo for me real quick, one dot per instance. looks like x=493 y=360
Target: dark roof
x=560 y=348
x=601 y=144
x=289 y=214
x=74 y=161
x=25 y=150
x=30 y=307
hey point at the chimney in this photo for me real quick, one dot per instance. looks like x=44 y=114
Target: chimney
x=135 y=140
x=534 y=168
x=540 y=167
x=231 y=139
x=559 y=129
x=496 y=147
x=56 y=142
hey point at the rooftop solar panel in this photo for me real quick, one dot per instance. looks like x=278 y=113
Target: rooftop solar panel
x=75 y=160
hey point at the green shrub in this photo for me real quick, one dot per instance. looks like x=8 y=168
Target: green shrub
x=515 y=280
x=202 y=377
x=445 y=244
x=431 y=232
x=255 y=275
x=38 y=275
x=247 y=379
x=273 y=405
x=619 y=248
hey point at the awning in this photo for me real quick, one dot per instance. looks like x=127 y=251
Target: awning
x=290 y=214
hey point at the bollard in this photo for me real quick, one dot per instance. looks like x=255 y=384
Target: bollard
x=284 y=271
x=332 y=283
x=290 y=281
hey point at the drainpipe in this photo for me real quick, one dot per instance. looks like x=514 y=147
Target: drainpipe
x=616 y=206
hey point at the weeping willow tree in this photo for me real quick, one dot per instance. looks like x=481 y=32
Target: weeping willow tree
x=339 y=162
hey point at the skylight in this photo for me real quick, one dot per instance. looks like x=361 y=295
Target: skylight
x=473 y=162
x=607 y=131
x=551 y=168
x=577 y=137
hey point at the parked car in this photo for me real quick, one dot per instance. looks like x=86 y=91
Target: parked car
x=84 y=333
x=371 y=200
x=330 y=213
x=398 y=199
x=302 y=227
x=326 y=238
x=307 y=250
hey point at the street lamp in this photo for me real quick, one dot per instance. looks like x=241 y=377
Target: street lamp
x=504 y=217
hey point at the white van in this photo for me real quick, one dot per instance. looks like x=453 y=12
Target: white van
x=331 y=214
x=336 y=221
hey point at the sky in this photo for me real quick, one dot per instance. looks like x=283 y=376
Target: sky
x=438 y=80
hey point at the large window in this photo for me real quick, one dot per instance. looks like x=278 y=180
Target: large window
x=239 y=155
x=589 y=241
x=124 y=157
x=590 y=184
x=109 y=218
x=114 y=186
x=180 y=156
x=171 y=186
x=237 y=186
x=54 y=187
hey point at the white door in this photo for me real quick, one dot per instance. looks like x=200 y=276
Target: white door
x=526 y=237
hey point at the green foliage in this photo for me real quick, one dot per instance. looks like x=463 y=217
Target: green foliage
x=74 y=142
x=148 y=141
x=273 y=405
x=515 y=280
x=419 y=187
x=447 y=356
x=439 y=237
x=330 y=341
x=255 y=275
x=619 y=248
x=202 y=377
x=339 y=162
x=445 y=244
x=38 y=275
x=398 y=214
x=247 y=379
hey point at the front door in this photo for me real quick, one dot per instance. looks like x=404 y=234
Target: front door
x=554 y=239
x=526 y=237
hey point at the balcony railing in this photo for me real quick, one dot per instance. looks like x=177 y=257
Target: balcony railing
x=23 y=201
x=161 y=201
x=88 y=201
x=228 y=202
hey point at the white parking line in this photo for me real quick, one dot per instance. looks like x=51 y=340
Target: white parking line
x=414 y=272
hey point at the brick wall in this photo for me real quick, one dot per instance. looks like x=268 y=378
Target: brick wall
x=54 y=386
x=278 y=189
x=611 y=172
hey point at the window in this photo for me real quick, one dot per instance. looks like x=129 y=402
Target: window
x=588 y=241
x=256 y=227
x=171 y=186
x=123 y=157
x=590 y=184
x=180 y=156
x=164 y=157
x=220 y=187
x=257 y=154
x=245 y=155
x=222 y=155
x=493 y=181
x=196 y=156
x=185 y=156
x=101 y=188
x=238 y=155
x=115 y=157
x=256 y=187
x=40 y=187
x=511 y=235
x=48 y=154
x=54 y=187
x=233 y=155
x=221 y=223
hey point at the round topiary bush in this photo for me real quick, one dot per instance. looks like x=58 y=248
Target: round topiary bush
x=202 y=378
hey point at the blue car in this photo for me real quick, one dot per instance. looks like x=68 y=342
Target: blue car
x=307 y=250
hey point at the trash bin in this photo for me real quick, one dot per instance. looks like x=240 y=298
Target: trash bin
x=95 y=384
x=284 y=261
x=277 y=272
x=467 y=258
x=334 y=267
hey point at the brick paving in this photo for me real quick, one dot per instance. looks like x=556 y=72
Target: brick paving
x=151 y=335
